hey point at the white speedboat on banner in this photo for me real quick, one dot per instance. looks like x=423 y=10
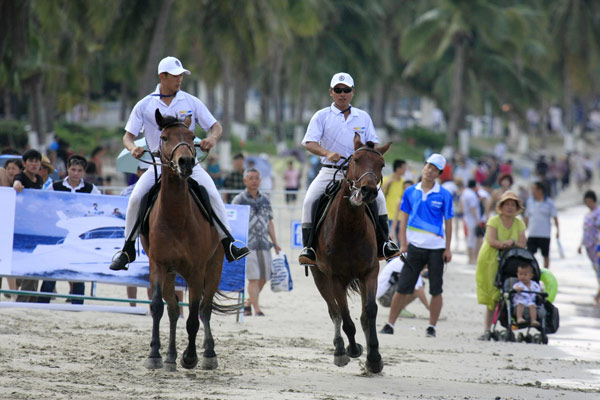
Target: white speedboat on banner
x=86 y=251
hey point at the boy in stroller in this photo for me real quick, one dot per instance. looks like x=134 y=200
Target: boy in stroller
x=527 y=290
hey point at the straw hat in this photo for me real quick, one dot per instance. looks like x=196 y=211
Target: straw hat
x=509 y=195
x=46 y=163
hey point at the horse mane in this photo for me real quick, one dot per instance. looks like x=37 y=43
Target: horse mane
x=168 y=120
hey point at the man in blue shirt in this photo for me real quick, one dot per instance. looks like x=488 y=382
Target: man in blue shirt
x=425 y=236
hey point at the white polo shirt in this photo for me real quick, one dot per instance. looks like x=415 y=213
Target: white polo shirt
x=333 y=132
x=182 y=106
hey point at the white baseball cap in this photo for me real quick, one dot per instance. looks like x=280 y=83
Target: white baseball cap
x=343 y=78
x=438 y=160
x=171 y=65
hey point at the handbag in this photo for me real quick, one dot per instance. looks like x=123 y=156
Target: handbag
x=281 y=278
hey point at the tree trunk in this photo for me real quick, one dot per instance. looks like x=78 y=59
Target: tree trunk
x=276 y=95
x=379 y=101
x=226 y=119
x=456 y=100
x=123 y=106
x=211 y=98
x=567 y=100
x=36 y=107
x=6 y=101
x=265 y=101
x=148 y=81
x=241 y=84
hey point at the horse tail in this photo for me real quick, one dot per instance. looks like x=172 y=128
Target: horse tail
x=219 y=307
x=353 y=286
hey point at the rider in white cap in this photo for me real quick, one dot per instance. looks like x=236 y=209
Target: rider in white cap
x=330 y=135
x=170 y=100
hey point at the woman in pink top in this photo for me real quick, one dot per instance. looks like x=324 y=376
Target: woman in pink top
x=292 y=182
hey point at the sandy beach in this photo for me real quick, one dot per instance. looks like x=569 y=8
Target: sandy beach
x=288 y=354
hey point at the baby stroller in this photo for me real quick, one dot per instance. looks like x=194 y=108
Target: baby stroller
x=506 y=277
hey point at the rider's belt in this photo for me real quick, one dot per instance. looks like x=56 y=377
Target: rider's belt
x=334 y=166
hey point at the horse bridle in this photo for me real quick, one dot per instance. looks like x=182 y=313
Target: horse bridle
x=352 y=183
x=169 y=161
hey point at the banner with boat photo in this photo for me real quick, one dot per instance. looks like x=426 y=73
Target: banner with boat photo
x=72 y=236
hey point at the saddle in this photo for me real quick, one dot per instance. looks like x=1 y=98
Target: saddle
x=322 y=205
x=199 y=194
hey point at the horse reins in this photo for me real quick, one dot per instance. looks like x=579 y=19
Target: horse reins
x=352 y=184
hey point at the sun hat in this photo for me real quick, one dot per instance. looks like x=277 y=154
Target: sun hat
x=343 y=78
x=509 y=195
x=172 y=66
x=46 y=163
x=438 y=160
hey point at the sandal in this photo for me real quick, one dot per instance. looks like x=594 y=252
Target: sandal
x=247 y=311
x=260 y=314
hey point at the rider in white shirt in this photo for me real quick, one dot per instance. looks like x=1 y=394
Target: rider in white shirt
x=330 y=135
x=171 y=101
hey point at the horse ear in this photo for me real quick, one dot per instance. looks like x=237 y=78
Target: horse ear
x=384 y=148
x=357 y=143
x=187 y=121
x=159 y=118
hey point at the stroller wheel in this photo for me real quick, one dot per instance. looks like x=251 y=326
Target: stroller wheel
x=537 y=338
x=544 y=338
x=509 y=336
x=520 y=337
x=528 y=338
x=496 y=335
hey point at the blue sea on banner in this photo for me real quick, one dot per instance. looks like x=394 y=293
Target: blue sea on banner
x=67 y=236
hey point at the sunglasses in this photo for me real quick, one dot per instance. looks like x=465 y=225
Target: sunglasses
x=340 y=90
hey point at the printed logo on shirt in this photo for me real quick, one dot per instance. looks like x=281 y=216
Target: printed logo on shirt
x=436 y=204
x=359 y=129
x=183 y=114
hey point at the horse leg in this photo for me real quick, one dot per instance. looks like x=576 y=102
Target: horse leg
x=211 y=285
x=340 y=358
x=173 y=311
x=154 y=360
x=368 y=288
x=189 y=359
x=354 y=349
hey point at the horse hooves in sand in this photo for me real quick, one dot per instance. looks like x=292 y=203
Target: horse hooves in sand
x=355 y=354
x=154 y=363
x=341 y=361
x=209 y=363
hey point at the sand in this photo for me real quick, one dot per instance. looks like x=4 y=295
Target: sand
x=288 y=354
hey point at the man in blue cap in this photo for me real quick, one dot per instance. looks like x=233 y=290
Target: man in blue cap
x=425 y=236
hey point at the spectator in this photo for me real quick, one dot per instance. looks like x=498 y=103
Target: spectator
x=539 y=211
x=396 y=220
x=503 y=231
x=214 y=170
x=591 y=235
x=45 y=171
x=12 y=167
x=235 y=179
x=393 y=189
x=29 y=179
x=291 y=177
x=96 y=158
x=258 y=264
x=505 y=182
x=471 y=208
x=425 y=236
x=74 y=183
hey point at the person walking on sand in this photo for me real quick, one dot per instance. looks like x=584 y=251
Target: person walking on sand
x=425 y=236
x=539 y=212
x=591 y=235
x=258 y=263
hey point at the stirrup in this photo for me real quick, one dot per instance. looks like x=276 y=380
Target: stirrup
x=303 y=258
x=243 y=253
x=395 y=251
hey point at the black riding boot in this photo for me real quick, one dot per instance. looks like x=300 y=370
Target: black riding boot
x=386 y=248
x=125 y=256
x=307 y=255
x=232 y=252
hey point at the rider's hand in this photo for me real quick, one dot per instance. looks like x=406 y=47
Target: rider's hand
x=208 y=143
x=333 y=156
x=137 y=152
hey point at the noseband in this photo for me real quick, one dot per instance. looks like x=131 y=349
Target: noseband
x=169 y=161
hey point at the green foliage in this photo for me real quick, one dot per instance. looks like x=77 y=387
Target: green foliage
x=12 y=134
x=83 y=139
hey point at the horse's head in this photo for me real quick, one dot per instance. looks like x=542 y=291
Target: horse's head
x=364 y=171
x=177 y=144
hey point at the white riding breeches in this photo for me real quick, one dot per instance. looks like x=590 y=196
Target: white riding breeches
x=317 y=188
x=146 y=182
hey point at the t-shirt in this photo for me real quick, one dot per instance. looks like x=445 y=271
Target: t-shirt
x=470 y=200
x=28 y=183
x=260 y=215
x=526 y=298
x=182 y=106
x=426 y=215
x=393 y=195
x=540 y=214
x=334 y=132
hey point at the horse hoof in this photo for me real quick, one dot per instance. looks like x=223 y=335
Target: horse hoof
x=154 y=363
x=355 y=354
x=209 y=363
x=170 y=366
x=189 y=364
x=341 y=361
x=374 y=367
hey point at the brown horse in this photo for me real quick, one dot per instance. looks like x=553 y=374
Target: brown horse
x=347 y=255
x=181 y=240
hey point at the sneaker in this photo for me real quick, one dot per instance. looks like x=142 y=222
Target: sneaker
x=407 y=314
x=387 y=329
x=430 y=332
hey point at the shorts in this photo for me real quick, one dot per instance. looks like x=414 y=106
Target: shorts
x=471 y=235
x=535 y=243
x=258 y=265
x=417 y=258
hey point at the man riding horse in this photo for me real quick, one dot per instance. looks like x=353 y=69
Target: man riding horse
x=330 y=135
x=171 y=101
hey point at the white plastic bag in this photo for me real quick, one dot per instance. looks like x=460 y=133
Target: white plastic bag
x=281 y=278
